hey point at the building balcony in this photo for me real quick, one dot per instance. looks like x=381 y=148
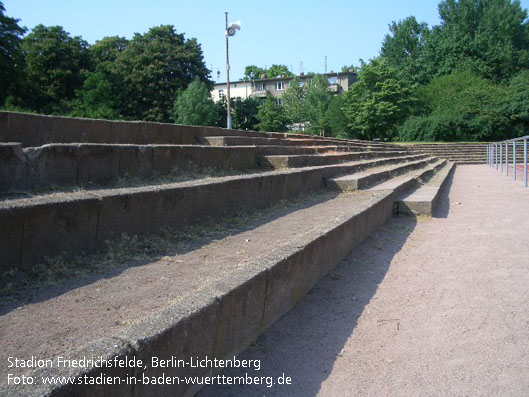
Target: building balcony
x=334 y=88
x=261 y=93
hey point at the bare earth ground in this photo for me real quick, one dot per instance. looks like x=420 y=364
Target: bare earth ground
x=424 y=307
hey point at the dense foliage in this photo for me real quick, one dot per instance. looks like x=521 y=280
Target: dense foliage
x=194 y=106
x=468 y=76
x=252 y=72
x=48 y=71
x=378 y=102
x=11 y=56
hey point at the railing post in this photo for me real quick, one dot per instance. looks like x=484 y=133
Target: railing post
x=507 y=157
x=514 y=158
x=501 y=158
x=496 y=157
x=525 y=160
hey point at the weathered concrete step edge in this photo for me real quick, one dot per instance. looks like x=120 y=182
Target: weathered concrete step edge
x=454 y=152
x=351 y=182
x=40 y=227
x=102 y=164
x=348 y=141
x=412 y=181
x=441 y=154
x=239 y=140
x=224 y=318
x=419 y=203
x=287 y=141
x=37 y=130
x=296 y=161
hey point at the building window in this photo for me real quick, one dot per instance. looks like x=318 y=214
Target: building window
x=280 y=86
x=260 y=87
x=221 y=94
x=332 y=80
x=279 y=101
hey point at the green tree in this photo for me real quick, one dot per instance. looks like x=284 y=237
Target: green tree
x=245 y=113
x=517 y=104
x=271 y=116
x=378 y=102
x=153 y=67
x=11 y=56
x=194 y=105
x=403 y=47
x=491 y=37
x=293 y=101
x=101 y=93
x=278 y=71
x=107 y=50
x=97 y=98
x=336 y=120
x=317 y=101
x=460 y=106
x=252 y=72
x=54 y=67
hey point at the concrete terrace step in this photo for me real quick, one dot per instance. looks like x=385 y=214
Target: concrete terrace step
x=234 y=141
x=36 y=130
x=259 y=275
x=102 y=164
x=422 y=200
x=368 y=178
x=67 y=223
x=293 y=161
x=271 y=150
x=300 y=141
x=453 y=153
x=410 y=180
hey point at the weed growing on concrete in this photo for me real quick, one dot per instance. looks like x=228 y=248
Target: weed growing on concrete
x=127 y=251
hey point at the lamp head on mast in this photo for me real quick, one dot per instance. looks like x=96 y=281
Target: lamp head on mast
x=232 y=29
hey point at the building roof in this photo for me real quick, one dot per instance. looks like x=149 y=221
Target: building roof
x=285 y=78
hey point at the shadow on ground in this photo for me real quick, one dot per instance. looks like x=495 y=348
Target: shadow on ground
x=442 y=208
x=305 y=343
x=64 y=275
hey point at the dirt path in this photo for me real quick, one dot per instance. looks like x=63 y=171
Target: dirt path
x=425 y=307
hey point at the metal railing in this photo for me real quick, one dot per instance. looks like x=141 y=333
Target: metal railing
x=498 y=156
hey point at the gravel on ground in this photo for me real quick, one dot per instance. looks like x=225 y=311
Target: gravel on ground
x=425 y=307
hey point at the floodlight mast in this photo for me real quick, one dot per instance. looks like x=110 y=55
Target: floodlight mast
x=228 y=122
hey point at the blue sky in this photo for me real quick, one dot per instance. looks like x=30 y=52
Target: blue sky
x=284 y=32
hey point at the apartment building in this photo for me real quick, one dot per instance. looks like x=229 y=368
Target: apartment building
x=338 y=83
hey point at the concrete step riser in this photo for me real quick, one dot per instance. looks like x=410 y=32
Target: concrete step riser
x=245 y=141
x=224 y=318
x=237 y=141
x=283 y=162
x=414 y=182
x=37 y=130
x=275 y=150
x=80 y=222
x=84 y=164
x=427 y=205
x=368 y=181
